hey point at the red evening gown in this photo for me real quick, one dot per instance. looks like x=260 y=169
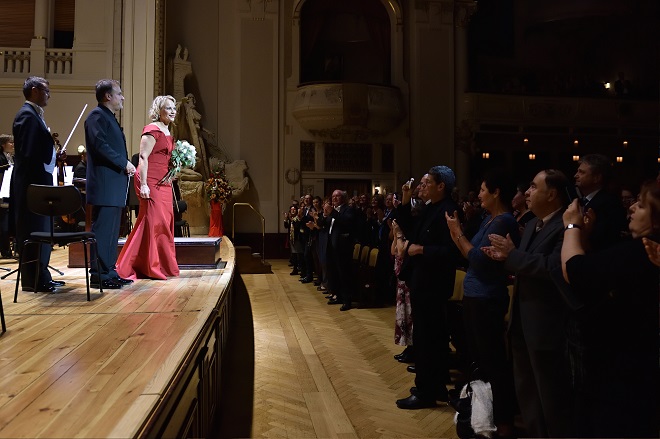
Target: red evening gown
x=149 y=249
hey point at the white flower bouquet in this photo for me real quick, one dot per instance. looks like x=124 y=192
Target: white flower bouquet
x=183 y=156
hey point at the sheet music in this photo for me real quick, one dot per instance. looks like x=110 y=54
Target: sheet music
x=68 y=175
x=6 y=179
x=55 y=177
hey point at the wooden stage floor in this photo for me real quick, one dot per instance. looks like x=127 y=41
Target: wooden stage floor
x=72 y=368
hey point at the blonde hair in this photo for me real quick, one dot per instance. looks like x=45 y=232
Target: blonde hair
x=157 y=105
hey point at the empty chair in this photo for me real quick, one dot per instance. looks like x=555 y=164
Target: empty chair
x=55 y=201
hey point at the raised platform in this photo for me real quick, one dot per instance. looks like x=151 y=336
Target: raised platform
x=191 y=253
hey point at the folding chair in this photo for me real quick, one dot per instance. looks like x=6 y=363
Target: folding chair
x=55 y=201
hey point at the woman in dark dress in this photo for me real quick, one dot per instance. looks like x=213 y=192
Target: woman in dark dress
x=622 y=366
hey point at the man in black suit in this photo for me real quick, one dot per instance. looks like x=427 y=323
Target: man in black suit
x=34 y=163
x=342 y=222
x=108 y=171
x=540 y=316
x=432 y=257
x=591 y=178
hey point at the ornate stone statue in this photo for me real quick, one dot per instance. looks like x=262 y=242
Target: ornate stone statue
x=187 y=126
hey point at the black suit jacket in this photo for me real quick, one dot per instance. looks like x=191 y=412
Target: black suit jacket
x=610 y=220
x=344 y=229
x=538 y=302
x=436 y=268
x=34 y=149
x=107 y=181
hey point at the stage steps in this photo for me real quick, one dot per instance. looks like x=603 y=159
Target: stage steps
x=249 y=262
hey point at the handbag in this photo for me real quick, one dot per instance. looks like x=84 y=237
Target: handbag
x=471 y=402
x=463 y=417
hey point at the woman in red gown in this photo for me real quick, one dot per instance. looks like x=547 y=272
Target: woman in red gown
x=149 y=249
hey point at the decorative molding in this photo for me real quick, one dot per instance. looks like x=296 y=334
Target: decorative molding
x=256 y=8
x=463 y=11
x=349 y=111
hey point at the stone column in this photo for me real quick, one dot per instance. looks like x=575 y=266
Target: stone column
x=41 y=31
x=464 y=107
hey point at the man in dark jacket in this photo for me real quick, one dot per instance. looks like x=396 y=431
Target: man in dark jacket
x=432 y=257
x=108 y=170
x=34 y=163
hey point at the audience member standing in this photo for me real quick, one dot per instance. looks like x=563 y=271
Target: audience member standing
x=591 y=178
x=539 y=316
x=486 y=297
x=403 y=327
x=519 y=203
x=342 y=223
x=432 y=257
x=34 y=163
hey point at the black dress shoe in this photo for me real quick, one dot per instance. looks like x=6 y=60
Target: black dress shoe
x=46 y=288
x=294 y=273
x=334 y=302
x=122 y=281
x=414 y=403
x=306 y=280
x=106 y=284
x=57 y=283
x=440 y=396
x=345 y=307
x=317 y=283
x=322 y=289
x=411 y=369
x=406 y=357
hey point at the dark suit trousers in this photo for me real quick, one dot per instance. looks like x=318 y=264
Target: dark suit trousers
x=543 y=387
x=27 y=224
x=431 y=342
x=106 y=221
x=484 y=330
x=341 y=276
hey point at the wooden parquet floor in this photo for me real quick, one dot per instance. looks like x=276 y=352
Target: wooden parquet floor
x=322 y=373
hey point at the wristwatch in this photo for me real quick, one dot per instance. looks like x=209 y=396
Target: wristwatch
x=573 y=226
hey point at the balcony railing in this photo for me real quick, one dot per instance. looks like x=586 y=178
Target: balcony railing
x=20 y=62
x=59 y=62
x=15 y=61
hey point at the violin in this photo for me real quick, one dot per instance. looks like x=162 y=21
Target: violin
x=60 y=160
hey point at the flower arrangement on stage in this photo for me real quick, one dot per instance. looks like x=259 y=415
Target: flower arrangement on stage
x=183 y=156
x=218 y=188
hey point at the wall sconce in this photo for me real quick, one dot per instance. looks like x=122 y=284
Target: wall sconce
x=658 y=159
x=625 y=144
x=619 y=159
x=607 y=85
x=377 y=188
x=485 y=155
x=575 y=143
x=526 y=141
x=576 y=158
x=532 y=156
